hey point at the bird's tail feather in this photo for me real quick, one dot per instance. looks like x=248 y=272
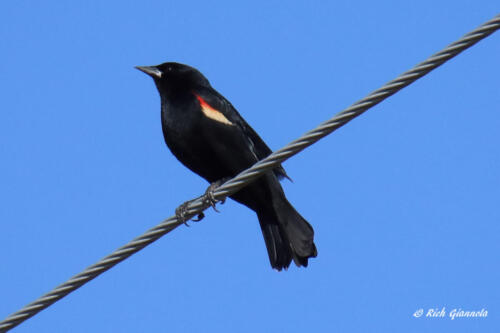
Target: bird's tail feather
x=287 y=235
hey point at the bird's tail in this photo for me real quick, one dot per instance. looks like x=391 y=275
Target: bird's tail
x=287 y=235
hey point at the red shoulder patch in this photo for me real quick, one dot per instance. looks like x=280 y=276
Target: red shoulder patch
x=212 y=113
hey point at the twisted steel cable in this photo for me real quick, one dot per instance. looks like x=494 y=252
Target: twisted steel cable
x=244 y=178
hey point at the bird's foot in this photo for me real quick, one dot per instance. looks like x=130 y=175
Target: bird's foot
x=209 y=198
x=181 y=212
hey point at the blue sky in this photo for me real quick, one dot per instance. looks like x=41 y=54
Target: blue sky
x=404 y=199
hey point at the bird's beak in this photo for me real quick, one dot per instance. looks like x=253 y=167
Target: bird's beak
x=152 y=71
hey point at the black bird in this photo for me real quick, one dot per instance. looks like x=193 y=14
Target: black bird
x=206 y=134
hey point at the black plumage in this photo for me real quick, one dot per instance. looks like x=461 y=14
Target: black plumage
x=206 y=133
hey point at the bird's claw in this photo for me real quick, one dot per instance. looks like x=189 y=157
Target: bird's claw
x=209 y=198
x=181 y=211
x=199 y=217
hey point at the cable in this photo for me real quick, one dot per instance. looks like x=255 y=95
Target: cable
x=249 y=175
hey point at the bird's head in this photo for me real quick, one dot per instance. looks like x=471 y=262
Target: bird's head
x=174 y=78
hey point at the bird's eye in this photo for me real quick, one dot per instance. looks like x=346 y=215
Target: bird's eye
x=169 y=68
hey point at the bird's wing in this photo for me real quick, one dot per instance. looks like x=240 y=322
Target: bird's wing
x=217 y=103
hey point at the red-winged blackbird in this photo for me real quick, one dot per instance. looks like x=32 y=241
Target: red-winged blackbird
x=206 y=133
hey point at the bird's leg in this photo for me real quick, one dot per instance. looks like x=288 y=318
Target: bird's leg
x=209 y=198
x=181 y=211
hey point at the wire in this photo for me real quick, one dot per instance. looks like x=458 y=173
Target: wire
x=244 y=178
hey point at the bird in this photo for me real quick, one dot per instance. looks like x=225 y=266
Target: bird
x=205 y=132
